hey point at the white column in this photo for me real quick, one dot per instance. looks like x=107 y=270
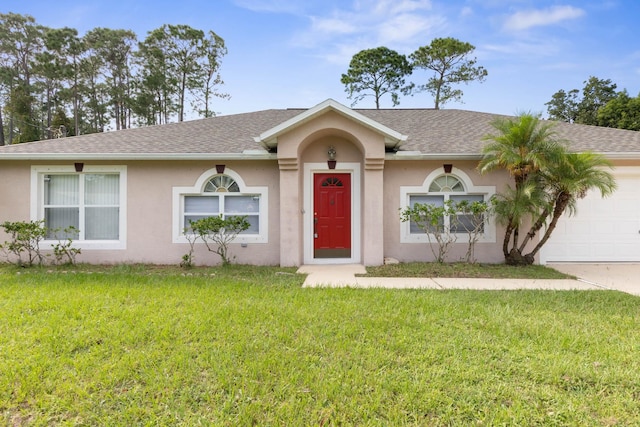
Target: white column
x=290 y=213
x=372 y=212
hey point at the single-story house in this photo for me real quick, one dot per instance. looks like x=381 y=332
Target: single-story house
x=131 y=193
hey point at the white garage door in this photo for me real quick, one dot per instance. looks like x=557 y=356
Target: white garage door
x=606 y=230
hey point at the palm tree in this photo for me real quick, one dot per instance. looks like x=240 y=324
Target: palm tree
x=512 y=207
x=523 y=147
x=548 y=180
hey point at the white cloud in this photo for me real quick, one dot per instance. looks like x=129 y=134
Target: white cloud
x=532 y=50
x=332 y=25
x=393 y=7
x=535 y=18
x=407 y=27
x=466 y=11
x=561 y=66
x=272 y=6
x=342 y=54
x=396 y=24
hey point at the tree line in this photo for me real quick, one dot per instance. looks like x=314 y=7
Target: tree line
x=54 y=82
x=598 y=104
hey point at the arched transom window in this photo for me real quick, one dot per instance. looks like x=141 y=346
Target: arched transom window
x=446 y=184
x=332 y=182
x=221 y=184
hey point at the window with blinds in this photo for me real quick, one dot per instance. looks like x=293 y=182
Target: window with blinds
x=90 y=203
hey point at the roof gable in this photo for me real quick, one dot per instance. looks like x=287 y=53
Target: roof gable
x=269 y=138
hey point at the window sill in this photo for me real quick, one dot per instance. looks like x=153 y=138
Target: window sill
x=240 y=239
x=460 y=238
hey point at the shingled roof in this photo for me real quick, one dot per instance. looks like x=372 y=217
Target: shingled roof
x=429 y=132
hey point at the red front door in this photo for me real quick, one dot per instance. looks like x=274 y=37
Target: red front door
x=332 y=215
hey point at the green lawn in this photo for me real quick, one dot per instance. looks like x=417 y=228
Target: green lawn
x=249 y=346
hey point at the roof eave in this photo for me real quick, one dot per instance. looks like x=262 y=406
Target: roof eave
x=621 y=156
x=418 y=155
x=249 y=155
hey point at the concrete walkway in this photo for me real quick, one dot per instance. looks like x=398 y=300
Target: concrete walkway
x=345 y=276
x=624 y=277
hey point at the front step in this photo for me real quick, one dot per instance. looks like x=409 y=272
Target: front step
x=331 y=275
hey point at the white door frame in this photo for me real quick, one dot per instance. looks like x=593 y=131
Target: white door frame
x=307 y=212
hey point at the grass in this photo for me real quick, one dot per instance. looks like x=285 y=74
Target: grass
x=461 y=269
x=248 y=346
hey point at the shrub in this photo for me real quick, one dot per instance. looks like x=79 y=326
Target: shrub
x=63 y=251
x=217 y=233
x=25 y=238
x=464 y=216
x=430 y=219
x=24 y=243
x=471 y=217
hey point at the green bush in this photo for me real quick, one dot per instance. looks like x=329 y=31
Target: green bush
x=24 y=243
x=464 y=217
x=23 y=247
x=63 y=251
x=430 y=219
x=217 y=233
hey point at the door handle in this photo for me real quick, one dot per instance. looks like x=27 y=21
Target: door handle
x=315 y=225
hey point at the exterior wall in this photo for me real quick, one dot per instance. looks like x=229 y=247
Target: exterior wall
x=14 y=189
x=150 y=219
x=413 y=173
x=150 y=236
x=150 y=212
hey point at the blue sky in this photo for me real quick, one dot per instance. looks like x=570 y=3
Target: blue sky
x=291 y=53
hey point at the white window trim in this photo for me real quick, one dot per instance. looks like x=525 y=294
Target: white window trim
x=197 y=190
x=489 y=235
x=37 y=203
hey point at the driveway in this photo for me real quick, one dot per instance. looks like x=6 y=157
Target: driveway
x=619 y=276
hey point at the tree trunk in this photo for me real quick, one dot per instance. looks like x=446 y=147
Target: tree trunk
x=76 y=116
x=49 y=131
x=116 y=113
x=515 y=257
x=183 y=89
x=561 y=204
x=11 y=129
x=507 y=237
x=542 y=219
x=1 y=129
x=76 y=96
